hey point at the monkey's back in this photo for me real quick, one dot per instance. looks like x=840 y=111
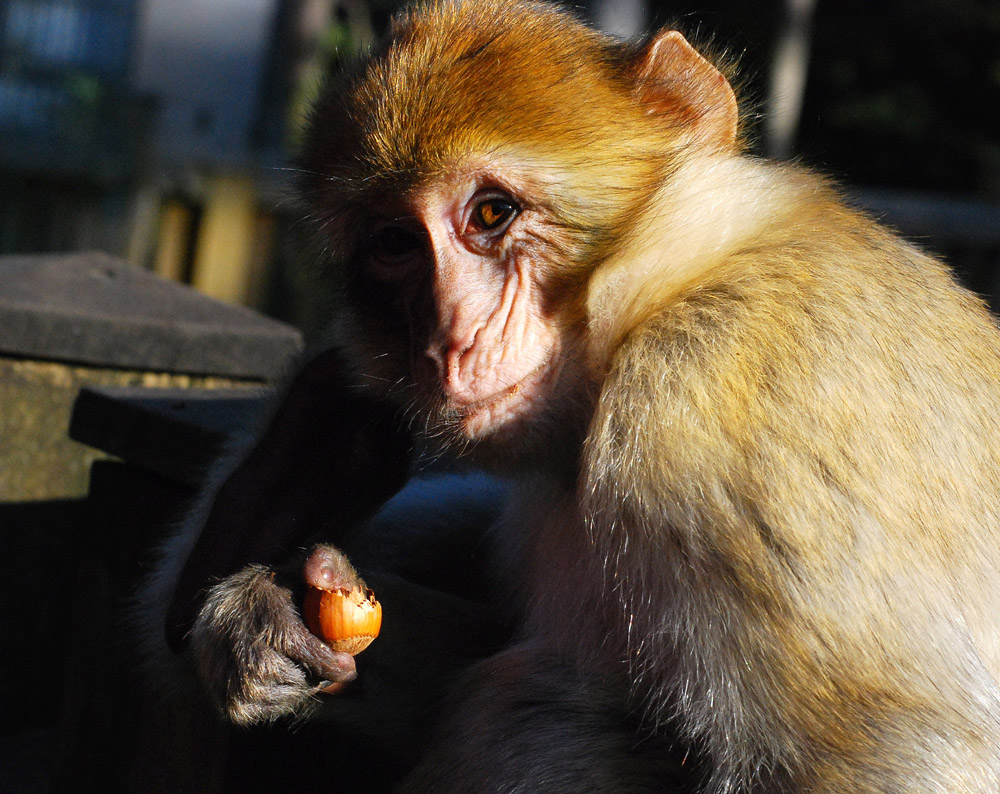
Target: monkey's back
x=818 y=473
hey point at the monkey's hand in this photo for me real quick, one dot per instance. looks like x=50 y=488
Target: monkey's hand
x=253 y=652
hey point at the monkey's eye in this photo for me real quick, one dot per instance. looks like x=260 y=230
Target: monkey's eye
x=492 y=214
x=394 y=242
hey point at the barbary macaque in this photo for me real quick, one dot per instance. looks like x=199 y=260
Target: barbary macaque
x=750 y=435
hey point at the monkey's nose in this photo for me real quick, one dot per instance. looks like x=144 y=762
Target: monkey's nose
x=432 y=364
x=446 y=360
x=453 y=371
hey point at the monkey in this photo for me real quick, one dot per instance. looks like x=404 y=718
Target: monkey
x=749 y=433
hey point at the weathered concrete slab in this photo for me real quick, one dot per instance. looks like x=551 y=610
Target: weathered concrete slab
x=78 y=320
x=38 y=460
x=176 y=433
x=92 y=308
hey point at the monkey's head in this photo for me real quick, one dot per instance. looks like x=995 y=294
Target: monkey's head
x=472 y=175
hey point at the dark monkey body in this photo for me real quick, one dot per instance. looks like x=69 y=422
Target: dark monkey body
x=751 y=435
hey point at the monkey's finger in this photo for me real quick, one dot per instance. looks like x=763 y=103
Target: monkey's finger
x=328 y=569
x=331 y=688
x=318 y=658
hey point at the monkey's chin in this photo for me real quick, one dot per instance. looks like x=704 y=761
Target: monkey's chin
x=507 y=411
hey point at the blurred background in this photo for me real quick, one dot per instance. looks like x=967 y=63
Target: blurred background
x=160 y=131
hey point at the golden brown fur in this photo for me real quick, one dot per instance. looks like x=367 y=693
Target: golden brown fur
x=757 y=476
x=785 y=478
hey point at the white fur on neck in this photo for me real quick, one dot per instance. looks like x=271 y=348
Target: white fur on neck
x=714 y=204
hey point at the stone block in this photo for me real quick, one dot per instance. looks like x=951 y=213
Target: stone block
x=69 y=321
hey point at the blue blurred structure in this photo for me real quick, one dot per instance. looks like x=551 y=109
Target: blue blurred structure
x=70 y=124
x=63 y=70
x=131 y=126
x=205 y=66
x=155 y=130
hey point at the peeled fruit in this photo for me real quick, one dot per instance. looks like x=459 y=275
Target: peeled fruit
x=347 y=620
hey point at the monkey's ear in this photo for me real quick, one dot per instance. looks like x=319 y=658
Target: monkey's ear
x=673 y=79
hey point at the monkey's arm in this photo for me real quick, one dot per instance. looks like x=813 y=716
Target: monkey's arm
x=424 y=556
x=325 y=459
x=328 y=458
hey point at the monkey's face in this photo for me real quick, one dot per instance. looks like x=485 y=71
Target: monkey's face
x=461 y=283
x=473 y=174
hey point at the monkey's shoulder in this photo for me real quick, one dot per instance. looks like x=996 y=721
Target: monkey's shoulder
x=850 y=335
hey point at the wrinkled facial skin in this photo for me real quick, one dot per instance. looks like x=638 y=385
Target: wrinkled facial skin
x=463 y=268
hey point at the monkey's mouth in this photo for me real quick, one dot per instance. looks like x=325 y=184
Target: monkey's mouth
x=506 y=407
